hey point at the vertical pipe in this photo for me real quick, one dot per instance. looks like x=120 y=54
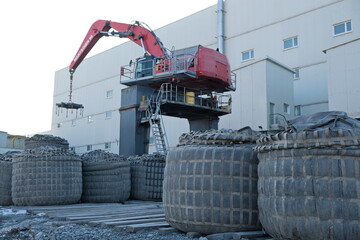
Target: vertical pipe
x=220 y=25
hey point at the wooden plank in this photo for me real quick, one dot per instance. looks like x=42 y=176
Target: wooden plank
x=134 y=215
x=135 y=221
x=69 y=207
x=113 y=216
x=88 y=212
x=137 y=227
x=114 y=221
x=83 y=206
x=85 y=209
x=249 y=234
x=167 y=230
x=118 y=214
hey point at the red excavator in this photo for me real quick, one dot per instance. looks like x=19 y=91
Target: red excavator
x=197 y=67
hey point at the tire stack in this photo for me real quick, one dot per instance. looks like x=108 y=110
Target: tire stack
x=309 y=179
x=46 y=176
x=5 y=181
x=106 y=177
x=44 y=140
x=5 y=177
x=147 y=175
x=210 y=182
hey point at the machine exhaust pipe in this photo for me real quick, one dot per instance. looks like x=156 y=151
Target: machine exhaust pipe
x=220 y=26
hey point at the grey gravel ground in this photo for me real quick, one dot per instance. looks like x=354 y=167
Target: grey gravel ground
x=24 y=226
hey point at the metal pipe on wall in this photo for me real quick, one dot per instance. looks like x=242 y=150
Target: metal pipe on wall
x=220 y=25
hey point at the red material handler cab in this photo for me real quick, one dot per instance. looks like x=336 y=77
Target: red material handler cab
x=196 y=67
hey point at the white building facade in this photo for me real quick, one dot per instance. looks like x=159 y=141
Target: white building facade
x=343 y=63
x=275 y=47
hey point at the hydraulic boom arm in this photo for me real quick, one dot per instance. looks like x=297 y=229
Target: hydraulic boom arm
x=136 y=32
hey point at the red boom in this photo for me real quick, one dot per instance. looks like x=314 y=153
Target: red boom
x=135 y=32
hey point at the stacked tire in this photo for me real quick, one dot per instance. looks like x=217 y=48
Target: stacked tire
x=106 y=177
x=46 y=176
x=5 y=177
x=147 y=175
x=45 y=140
x=309 y=179
x=5 y=181
x=210 y=182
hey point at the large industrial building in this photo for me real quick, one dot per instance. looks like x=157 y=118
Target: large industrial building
x=291 y=58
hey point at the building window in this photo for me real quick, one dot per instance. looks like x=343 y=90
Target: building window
x=90 y=119
x=343 y=27
x=272 y=113
x=297 y=110
x=297 y=73
x=59 y=125
x=286 y=108
x=109 y=94
x=107 y=145
x=249 y=54
x=108 y=115
x=290 y=42
x=73 y=123
x=88 y=147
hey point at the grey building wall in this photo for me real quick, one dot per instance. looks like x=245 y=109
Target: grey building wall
x=263 y=82
x=343 y=72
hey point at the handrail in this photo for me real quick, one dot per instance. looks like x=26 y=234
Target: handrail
x=158 y=67
x=155 y=115
x=175 y=93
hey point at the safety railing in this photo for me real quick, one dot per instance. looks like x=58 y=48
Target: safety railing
x=214 y=100
x=154 y=68
x=232 y=86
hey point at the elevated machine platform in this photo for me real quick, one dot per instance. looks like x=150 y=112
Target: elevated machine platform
x=189 y=84
x=177 y=101
x=142 y=108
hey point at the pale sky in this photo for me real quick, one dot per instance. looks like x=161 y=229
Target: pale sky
x=39 y=37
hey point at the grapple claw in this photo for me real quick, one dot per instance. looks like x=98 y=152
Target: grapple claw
x=69 y=105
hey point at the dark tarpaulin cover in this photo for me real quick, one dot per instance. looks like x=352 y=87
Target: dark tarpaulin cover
x=321 y=120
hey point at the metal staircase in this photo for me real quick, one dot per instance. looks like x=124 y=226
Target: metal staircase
x=156 y=123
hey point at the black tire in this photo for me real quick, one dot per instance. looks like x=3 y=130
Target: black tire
x=5 y=183
x=106 y=182
x=147 y=175
x=309 y=185
x=46 y=178
x=38 y=141
x=211 y=189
